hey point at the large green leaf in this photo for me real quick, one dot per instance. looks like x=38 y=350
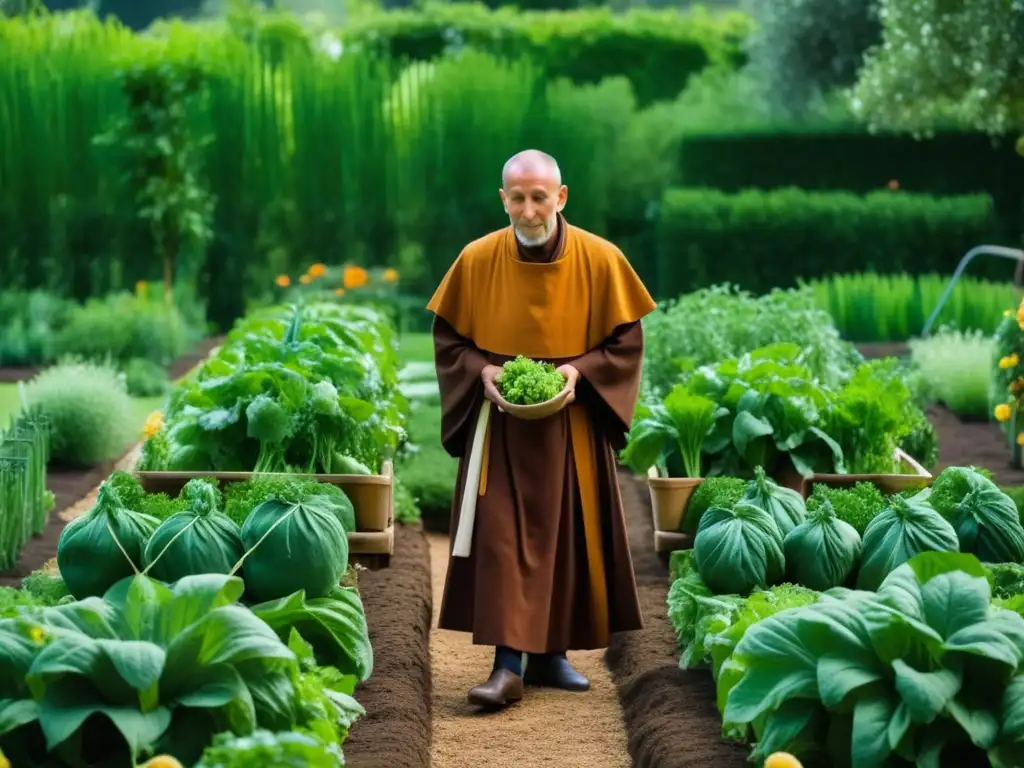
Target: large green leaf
x=335 y=626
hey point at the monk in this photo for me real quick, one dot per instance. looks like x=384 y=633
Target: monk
x=549 y=568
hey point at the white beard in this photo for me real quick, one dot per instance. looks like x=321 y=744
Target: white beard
x=532 y=242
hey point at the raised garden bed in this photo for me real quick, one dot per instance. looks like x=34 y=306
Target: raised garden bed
x=372 y=543
x=669 y=496
x=670 y=714
x=395 y=732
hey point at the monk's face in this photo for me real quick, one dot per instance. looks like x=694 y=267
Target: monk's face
x=533 y=197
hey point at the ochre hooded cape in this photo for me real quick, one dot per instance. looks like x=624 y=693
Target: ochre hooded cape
x=550 y=568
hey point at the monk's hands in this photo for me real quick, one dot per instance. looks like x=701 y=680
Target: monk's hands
x=490 y=375
x=572 y=376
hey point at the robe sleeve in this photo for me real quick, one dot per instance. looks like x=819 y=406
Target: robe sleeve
x=610 y=380
x=459 y=364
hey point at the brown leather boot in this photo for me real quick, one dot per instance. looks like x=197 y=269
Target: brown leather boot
x=500 y=690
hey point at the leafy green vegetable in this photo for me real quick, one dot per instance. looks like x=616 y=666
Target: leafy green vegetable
x=918 y=672
x=785 y=505
x=202 y=539
x=288 y=391
x=1006 y=579
x=133 y=496
x=823 y=551
x=738 y=550
x=274 y=567
x=281 y=750
x=719 y=491
x=46 y=586
x=985 y=519
x=166 y=668
x=857 y=506
x=770 y=407
x=242 y=498
x=527 y=382
x=334 y=626
x=671 y=434
x=904 y=529
x=103 y=546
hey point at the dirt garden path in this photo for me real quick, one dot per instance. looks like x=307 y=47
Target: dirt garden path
x=547 y=728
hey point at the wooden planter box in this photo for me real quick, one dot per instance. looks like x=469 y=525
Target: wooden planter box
x=916 y=477
x=373 y=497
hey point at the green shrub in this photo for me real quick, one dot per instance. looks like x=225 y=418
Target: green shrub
x=27 y=323
x=89 y=411
x=712 y=324
x=956 y=370
x=658 y=50
x=800 y=50
x=761 y=240
x=121 y=327
x=144 y=378
x=872 y=307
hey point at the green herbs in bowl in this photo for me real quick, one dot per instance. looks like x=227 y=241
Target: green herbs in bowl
x=528 y=382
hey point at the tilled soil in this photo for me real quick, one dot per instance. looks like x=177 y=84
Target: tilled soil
x=671 y=717
x=395 y=732
x=978 y=443
x=547 y=728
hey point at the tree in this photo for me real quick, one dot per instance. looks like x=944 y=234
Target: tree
x=801 y=50
x=946 y=62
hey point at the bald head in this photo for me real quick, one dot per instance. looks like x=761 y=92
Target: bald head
x=531 y=163
x=533 y=194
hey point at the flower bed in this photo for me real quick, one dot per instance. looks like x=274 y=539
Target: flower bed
x=867 y=603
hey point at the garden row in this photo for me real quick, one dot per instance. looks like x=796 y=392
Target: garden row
x=849 y=614
x=300 y=404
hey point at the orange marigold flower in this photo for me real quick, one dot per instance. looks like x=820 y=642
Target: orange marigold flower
x=283 y=281
x=390 y=275
x=305 y=279
x=317 y=270
x=339 y=292
x=354 y=277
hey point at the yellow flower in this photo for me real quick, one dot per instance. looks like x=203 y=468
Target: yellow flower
x=390 y=275
x=37 y=635
x=4 y=762
x=283 y=281
x=154 y=423
x=1020 y=439
x=1003 y=412
x=339 y=292
x=354 y=277
x=782 y=760
x=305 y=279
x=1010 y=361
x=317 y=270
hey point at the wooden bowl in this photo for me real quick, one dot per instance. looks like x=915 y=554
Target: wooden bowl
x=537 y=410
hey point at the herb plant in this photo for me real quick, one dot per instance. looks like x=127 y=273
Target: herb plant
x=528 y=382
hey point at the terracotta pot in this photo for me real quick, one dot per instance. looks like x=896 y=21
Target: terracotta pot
x=670 y=496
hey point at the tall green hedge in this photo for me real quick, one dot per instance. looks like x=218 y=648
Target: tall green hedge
x=658 y=50
x=851 y=159
x=765 y=239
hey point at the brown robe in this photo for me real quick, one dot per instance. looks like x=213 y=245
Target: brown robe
x=529 y=582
